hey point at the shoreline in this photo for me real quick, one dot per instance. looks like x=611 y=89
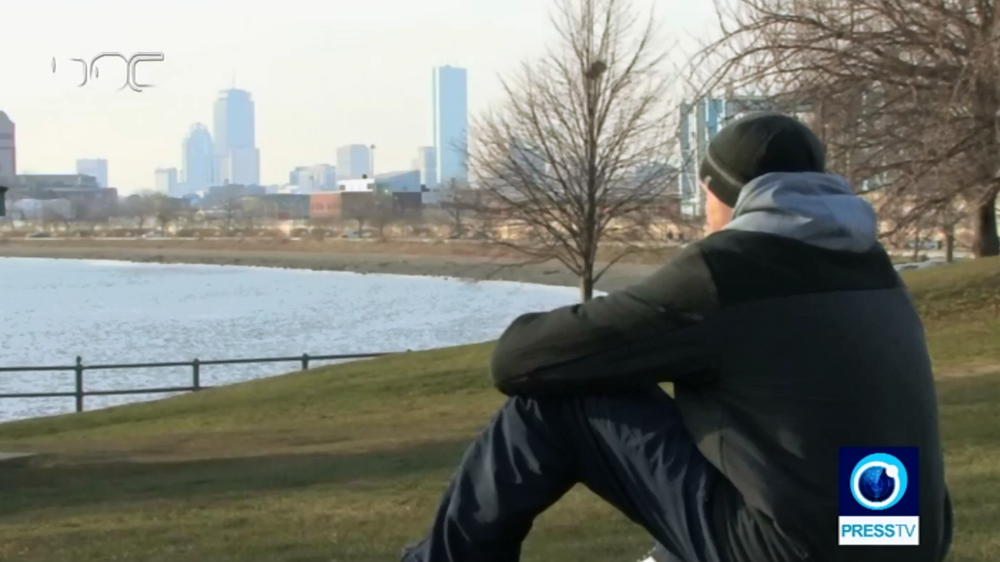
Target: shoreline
x=356 y=259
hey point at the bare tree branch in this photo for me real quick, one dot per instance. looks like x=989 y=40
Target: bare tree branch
x=901 y=91
x=582 y=139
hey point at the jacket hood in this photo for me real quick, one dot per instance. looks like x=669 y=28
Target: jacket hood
x=815 y=208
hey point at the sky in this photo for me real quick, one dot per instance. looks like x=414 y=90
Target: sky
x=322 y=73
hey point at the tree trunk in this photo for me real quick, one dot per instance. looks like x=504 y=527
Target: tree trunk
x=587 y=285
x=986 y=242
x=949 y=243
x=916 y=245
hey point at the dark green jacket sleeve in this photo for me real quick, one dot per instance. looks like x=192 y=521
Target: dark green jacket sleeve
x=655 y=331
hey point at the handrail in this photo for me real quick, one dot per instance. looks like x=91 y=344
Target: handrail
x=79 y=368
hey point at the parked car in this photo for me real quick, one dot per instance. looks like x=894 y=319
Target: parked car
x=154 y=234
x=39 y=235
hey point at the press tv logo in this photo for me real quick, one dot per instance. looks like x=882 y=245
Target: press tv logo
x=879 y=499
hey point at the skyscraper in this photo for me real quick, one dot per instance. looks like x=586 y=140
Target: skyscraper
x=451 y=123
x=197 y=157
x=708 y=116
x=8 y=147
x=426 y=163
x=353 y=161
x=166 y=181
x=237 y=159
x=96 y=168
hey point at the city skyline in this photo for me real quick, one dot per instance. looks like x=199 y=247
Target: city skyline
x=312 y=92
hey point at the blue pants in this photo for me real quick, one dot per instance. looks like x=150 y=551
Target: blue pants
x=631 y=449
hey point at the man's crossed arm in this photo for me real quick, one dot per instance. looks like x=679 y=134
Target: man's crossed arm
x=655 y=331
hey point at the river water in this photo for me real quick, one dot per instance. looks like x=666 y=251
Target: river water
x=52 y=311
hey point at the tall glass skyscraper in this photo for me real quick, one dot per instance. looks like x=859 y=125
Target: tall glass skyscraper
x=198 y=155
x=451 y=123
x=237 y=159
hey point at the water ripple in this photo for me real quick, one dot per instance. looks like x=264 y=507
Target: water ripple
x=113 y=312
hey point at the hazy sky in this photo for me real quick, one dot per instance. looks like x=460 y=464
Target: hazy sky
x=323 y=73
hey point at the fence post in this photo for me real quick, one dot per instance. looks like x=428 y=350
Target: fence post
x=305 y=361
x=196 y=375
x=78 y=370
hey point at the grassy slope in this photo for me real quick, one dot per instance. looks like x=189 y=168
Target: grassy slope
x=346 y=463
x=960 y=305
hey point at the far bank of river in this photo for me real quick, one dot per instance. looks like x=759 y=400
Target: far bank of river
x=357 y=257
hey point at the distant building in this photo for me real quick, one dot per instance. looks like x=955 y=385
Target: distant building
x=166 y=181
x=451 y=123
x=352 y=205
x=197 y=155
x=284 y=206
x=426 y=164
x=324 y=177
x=88 y=201
x=360 y=184
x=94 y=167
x=237 y=159
x=321 y=177
x=296 y=175
x=407 y=204
x=42 y=210
x=244 y=165
x=400 y=181
x=8 y=149
x=35 y=182
x=220 y=196
x=667 y=178
x=340 y=206
x=354 y=161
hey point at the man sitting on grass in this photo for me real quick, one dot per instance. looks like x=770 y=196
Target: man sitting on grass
x=786 y=334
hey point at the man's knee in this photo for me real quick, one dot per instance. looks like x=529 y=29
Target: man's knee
x=537 y=420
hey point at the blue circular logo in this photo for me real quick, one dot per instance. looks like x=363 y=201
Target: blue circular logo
x=878 y=481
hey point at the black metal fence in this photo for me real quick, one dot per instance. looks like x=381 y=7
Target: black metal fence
x=195 y=365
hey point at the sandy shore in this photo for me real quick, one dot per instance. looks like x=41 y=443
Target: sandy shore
x=359 y=257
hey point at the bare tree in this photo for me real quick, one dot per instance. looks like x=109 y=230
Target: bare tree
x=360 y=211
x=251 y=211
x=139 y=208
x=898 y=91
x=457 y=205
x=558 y=159
x=166 y=211
x=231 y=211
x=382 y=212
x=948 y=218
